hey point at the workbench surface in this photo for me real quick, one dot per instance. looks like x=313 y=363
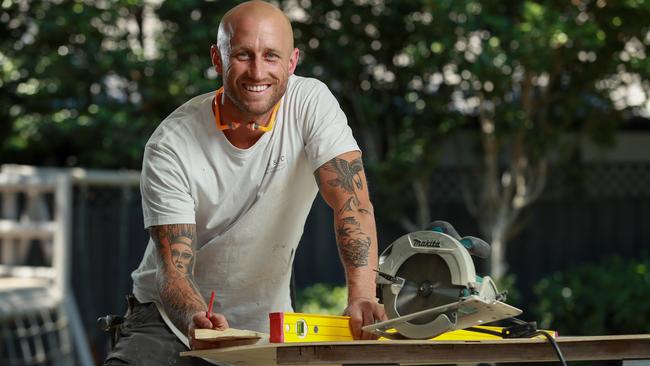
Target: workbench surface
x=414 y=352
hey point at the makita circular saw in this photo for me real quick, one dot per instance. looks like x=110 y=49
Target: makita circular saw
x=427 y=283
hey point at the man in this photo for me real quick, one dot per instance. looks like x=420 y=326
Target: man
x=232 y=174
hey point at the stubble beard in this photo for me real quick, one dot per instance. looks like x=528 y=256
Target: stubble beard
x=248 y=110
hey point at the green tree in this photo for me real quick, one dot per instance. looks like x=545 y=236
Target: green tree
x=519 y=74
x=382 y=60
x=86 y=83
x=537 y=73
x=69 y=84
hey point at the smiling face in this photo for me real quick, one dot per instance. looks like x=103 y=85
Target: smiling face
x=255 y=56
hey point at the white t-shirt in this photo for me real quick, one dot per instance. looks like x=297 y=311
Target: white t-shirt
x=249 y=205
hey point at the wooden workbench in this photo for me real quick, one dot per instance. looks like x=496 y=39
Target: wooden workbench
x=411 y=352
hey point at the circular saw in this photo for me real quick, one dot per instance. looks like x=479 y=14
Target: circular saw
x=428 y=285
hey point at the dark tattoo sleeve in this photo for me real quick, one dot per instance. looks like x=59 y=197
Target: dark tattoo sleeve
x=347 y=174
x=346 y=178
x=175 y=276
x=351 y=221
x=353 y=242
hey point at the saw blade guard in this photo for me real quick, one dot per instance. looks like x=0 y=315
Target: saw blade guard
x=453 y=253
x=429 y=270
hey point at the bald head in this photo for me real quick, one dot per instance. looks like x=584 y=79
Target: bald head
x=255 y=57
x=249 y=13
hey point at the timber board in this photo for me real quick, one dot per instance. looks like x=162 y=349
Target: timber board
x=414 y=352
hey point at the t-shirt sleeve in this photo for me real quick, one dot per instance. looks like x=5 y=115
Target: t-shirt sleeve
x=165 y=190
x=327 y=132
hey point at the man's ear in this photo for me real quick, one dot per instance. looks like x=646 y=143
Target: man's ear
x=215 y=55
x=293 y=60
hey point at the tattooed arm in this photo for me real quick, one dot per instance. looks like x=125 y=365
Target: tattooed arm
x=179 y=295
x=342 y=184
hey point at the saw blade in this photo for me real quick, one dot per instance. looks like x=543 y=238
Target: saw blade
x=428 y=285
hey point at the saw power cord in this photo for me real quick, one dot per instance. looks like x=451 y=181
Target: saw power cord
x=553 y=343
x=522 y=329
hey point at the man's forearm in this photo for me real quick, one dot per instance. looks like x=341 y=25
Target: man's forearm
x=175 y=280
x=343 y=185
x=180 y=298
x=357 y=242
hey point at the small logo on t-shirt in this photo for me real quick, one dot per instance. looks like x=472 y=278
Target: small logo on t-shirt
x=276 y=164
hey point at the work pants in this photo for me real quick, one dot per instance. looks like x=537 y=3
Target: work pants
x=145 y=339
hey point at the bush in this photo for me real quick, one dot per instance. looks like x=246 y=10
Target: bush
x=322 y=298
x=606 y=298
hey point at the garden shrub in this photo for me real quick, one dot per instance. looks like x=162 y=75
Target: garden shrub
x=611 y=297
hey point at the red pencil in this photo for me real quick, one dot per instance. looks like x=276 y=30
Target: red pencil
x=208 y=314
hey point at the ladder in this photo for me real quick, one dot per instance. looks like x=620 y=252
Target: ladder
x=39 y=318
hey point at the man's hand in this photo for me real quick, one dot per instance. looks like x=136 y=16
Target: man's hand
x=364 y=312
x=200 y=321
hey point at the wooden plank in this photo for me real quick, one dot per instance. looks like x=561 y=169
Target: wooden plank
x=26 y=271
x=256 y=355
x=413 y=352
x=19 y=186
x=229 y=334
x=444 y=352
x=8 y=284
x=33 y=229
x=231 y=338
x=95 y=177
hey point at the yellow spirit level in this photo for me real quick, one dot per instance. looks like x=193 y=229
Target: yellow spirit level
x=288 y=327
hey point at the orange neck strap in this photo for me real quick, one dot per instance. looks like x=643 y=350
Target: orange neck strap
x=235 y=125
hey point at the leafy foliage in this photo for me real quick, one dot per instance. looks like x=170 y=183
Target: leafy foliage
x=57 y=60
x=87 y=85
x=87 y=82
x=604 y=298
x=410 y=73
x=322 y=298
x=517 y=74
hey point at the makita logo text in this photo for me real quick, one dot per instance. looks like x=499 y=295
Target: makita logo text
x=426 y=243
